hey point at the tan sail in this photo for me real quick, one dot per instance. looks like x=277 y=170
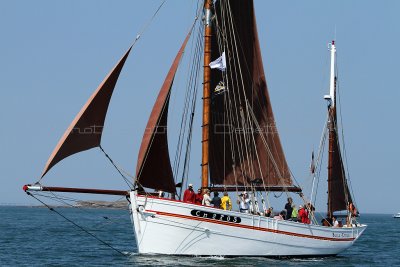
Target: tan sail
x=238 y=155
x=86 y=129
x=153 y=166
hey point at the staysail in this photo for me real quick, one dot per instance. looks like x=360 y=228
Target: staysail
x=153 y=166
x=244 y=142
x=86 y=129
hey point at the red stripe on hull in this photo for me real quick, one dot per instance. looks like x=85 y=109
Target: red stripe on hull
x=248 y=227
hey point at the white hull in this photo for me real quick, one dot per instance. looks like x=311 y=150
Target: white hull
x=164 y=226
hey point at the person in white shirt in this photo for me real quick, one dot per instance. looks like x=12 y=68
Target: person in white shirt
x=206 y=198
x=335 y=223
x=244 y=204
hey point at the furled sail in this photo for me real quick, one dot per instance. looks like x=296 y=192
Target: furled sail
x=244 y=142
x=153 y=166
x=86 y=129
x=339 y=195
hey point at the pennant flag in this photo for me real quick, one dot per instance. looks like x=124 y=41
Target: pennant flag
x=219 y=63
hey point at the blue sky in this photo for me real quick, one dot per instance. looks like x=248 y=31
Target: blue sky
x=53 y=55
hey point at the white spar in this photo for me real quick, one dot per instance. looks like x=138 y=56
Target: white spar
x=331 y=95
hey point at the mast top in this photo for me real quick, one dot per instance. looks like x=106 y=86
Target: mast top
x=331 y=96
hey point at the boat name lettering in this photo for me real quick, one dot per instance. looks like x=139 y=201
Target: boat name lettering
x=341 y=235
x=215 y=216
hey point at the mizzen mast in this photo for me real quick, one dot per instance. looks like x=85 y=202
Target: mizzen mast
x=339 y=197
x=206 y=93
x=331 y=127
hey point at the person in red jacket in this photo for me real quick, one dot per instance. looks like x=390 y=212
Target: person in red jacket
x=199 y=197
x=303 y=215
x=189 y=195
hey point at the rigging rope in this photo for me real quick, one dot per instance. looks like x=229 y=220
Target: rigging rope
x=233 y=108
x=127 y=181
x=318 y=164
x=144 y=28
x=319 y=160
x=232 y=119
x=186 y=126
x=342 y=132
x=63 y=200
x=237 y=106
x=78 y=226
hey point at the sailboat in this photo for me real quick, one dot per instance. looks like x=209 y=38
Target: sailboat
x=241 y=151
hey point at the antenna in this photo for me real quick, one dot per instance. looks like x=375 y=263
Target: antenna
x=335 y=34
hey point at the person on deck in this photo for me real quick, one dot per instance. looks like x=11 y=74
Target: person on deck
x=216 y=201
x=303 y=215
x=244 y=203
x=280 y=216
x=269 y=212
x=189 y=195
x=206 y=198
x=300 y=213
x=226 y=202
x=311 y=210
x=198 y=197
x=326 y=222
x=353 y=210
x=288 y=208
x=295 y=213
x=335 y=223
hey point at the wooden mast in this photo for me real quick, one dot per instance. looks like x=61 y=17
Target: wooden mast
x=332 y=140
x=206 y=94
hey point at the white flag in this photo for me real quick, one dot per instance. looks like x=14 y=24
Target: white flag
x=219 y=63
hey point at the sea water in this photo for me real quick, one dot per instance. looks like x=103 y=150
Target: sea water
x=36 y=236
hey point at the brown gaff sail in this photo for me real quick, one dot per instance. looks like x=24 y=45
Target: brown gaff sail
x=339 y=195
x=236 y=24
x=153 y=166
x=86 y=129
